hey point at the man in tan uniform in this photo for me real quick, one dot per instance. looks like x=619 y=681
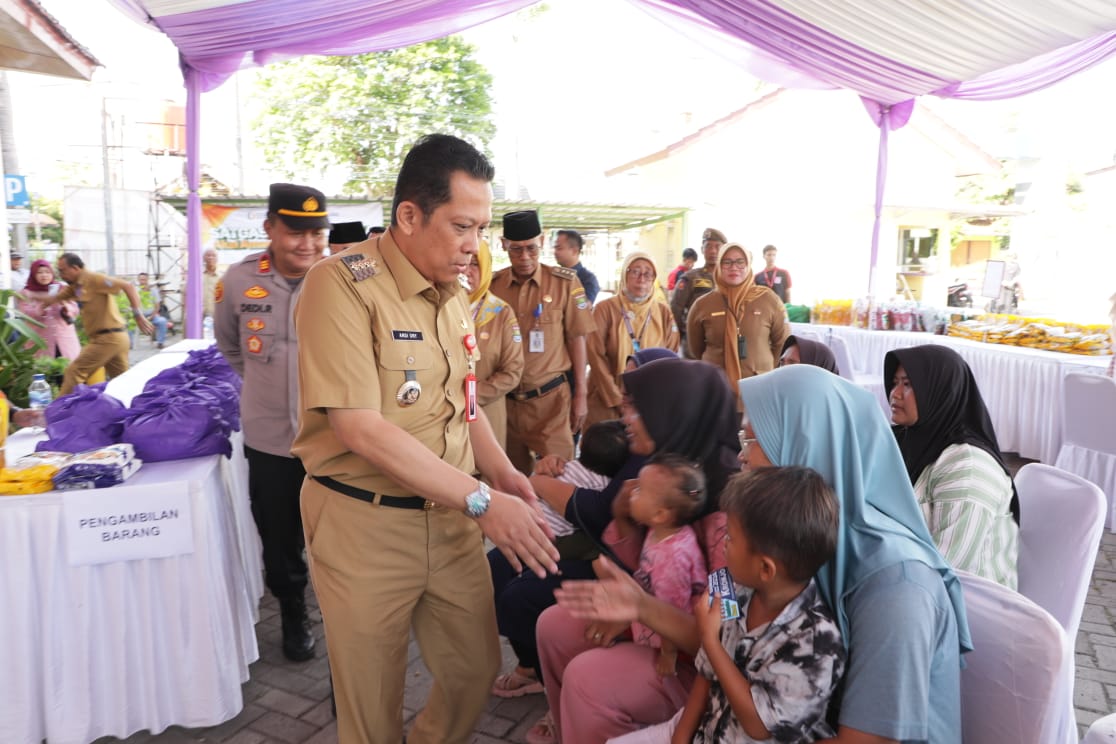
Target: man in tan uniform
x=392 y=436
x=696 y=282
x=554 y=317
x=104 y=326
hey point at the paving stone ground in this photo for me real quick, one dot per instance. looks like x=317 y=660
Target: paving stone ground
x=287 y=703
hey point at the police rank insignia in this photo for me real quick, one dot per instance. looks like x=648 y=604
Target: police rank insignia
x=264 y=265
x=360 y=266
x=256 y=292
x=219 y=292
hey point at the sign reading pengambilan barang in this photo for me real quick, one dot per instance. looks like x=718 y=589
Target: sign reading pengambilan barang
x=126 y=523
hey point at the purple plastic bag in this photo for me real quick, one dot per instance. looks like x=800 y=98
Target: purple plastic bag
x=85 y=419
x=176 y=430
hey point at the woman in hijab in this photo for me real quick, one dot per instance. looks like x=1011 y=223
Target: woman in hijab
x=631 y=320
x=57 y=319
x=797 y=350
x=598 y=690
x=498 y=340
x=739 y=326
x=949 y=447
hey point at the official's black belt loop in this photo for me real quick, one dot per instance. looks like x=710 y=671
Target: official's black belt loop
x=529 y=394
x=397 y=502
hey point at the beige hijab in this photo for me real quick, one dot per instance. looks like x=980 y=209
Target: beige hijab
x=646 y=325
x=737 y=299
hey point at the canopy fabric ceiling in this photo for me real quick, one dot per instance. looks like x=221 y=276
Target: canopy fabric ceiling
x=888 y=51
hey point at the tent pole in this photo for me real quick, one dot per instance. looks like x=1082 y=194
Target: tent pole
x=193 y=203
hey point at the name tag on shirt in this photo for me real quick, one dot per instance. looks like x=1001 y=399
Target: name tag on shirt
x=407 y=335
x=535 y=341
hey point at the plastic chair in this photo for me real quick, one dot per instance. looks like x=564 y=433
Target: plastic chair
x=848 y=370
x=1089 y=433
x=1103 y=731
x=1061 y=520
x=1013 y=682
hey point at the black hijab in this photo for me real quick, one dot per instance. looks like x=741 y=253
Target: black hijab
x=812 y=352
x=950 y=409
x=689 y=409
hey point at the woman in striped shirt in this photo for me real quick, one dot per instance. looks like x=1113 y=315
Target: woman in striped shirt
x=952 y=457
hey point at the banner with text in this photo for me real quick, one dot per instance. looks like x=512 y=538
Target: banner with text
x=128 y=522
x=231 y=230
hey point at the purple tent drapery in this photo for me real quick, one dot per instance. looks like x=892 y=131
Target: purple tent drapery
x=221 y=38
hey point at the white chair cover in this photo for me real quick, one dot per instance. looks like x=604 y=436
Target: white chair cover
x=1103 y=731
x=1089 y=433
x=851 y=372
x=1012 y=684
x=1061 y=521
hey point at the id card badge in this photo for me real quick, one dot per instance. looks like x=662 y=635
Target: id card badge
x=535 y=340
x=470 y=397
x=741 y=347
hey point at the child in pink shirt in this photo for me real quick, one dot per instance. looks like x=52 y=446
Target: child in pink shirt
x=668 y=496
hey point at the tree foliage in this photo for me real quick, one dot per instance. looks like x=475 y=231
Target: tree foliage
x=362 y=113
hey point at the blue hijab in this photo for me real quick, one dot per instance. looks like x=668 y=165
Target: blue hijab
x=804 y=415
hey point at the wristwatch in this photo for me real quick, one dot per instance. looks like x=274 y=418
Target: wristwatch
x=476 y=503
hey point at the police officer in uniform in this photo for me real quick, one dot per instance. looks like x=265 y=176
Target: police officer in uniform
x=392 y=436
x=555 y=316
x=255 y=331
x=696 y=282
x=100 y=318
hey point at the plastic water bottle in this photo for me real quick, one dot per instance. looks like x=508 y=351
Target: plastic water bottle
x=207 y=328
x=39 y=392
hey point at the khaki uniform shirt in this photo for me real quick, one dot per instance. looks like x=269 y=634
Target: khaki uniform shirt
x=691 y=285
x=254 y=327
x=764 y=325
x=93 y=293
x=566 y=314
x=500 y=367
x=360 y=339
x=209 y=294
x=604 y=346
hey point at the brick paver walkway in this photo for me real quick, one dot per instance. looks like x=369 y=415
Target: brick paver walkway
x=289 y=703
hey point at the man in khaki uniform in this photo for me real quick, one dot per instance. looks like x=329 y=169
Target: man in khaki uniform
x=392 y=436
x=554 y=317
x=104 y=326
x=696 y=282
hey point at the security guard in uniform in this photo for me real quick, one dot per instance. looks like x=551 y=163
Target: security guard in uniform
x=100 y=318
x=696 y=282
x=255 y=331
x=392 y=436
x=554 y=317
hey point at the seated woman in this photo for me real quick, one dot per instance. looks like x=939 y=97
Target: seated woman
x=797 y=350
x=671 y=405
x=952 y=458
x=897 y=602
x=521 y=597
x=633 y=319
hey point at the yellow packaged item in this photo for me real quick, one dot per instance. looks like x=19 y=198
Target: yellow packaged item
x=21 y=481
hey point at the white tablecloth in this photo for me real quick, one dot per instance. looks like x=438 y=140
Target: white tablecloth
x=1021 y=387
x=112 y=649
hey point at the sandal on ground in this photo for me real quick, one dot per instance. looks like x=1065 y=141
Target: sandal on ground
x=544 y=731
x=513 y=684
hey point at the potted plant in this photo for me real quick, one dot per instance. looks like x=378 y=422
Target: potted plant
x=18 y=343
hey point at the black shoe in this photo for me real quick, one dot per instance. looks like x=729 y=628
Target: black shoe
x=298 y=642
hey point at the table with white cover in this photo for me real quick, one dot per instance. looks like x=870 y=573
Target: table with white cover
x=1022 y=387
x=114 y=648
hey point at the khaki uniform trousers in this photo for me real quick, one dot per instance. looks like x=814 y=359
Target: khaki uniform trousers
x=108 y=350
x=540 y=426
x=378 y=571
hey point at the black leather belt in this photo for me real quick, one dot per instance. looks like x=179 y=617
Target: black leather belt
x=379 y=499
x=528 y=394
x=108 y=330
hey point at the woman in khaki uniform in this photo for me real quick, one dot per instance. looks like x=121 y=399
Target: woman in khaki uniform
x=499 y=341
x=739 y=326
x=635 y=318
